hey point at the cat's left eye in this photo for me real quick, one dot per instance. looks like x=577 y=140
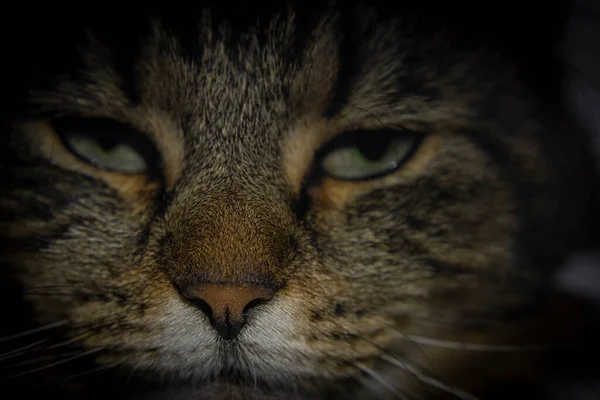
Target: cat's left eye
x=367 y=154
x=107 y=144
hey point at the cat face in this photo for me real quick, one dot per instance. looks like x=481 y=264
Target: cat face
x=286 y=207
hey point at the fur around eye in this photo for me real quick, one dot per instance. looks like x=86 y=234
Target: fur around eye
x=367 y=154
x=107 y=144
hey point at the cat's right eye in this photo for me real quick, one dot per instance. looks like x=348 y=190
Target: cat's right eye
x=107 y=144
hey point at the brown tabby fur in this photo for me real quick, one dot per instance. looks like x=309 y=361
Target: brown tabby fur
x=456 y=245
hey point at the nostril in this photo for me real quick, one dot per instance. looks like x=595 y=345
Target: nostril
x=203 y=306
x=190 y=298
x=254 y=303
x=227 y=306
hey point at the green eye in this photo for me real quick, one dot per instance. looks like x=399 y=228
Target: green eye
x=121 y=157
x=368 y=154
x=107 y=144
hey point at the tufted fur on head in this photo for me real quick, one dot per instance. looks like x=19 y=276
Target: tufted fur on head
x=374 y=281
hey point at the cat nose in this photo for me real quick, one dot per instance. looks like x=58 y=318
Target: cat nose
x=227 y=305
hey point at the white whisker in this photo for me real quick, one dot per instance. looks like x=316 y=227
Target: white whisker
x=18 y=351
x=379 y=379
x=35 y=330
x=91 y=371
x=472 y=346
x=42 y=358
x=428 y=380
x=447 y=344
x=80 y=355
x=74 y=339
x=85 y=373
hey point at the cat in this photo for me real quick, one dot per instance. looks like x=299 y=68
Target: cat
x=345 y=201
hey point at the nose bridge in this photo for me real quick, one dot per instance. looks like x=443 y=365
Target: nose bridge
x=229 y=255
x=233 y=240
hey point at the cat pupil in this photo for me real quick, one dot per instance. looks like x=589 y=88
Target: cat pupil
x=108 y=142
x=373 y=149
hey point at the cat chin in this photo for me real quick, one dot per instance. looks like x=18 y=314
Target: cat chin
x=217 y=392
x=210 y=391
x=228 y=385
x=240 y=375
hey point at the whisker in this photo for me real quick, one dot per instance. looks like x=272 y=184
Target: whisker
x=475 y=325
x=381 y=349
x=45 y=345
x=34 y=330
x=54 y=294
x=79 y=334
x=74 y=339
x=428 y=380
x=58 y=286
x=61 y=291
x=379 y=379
x=417 y=339
x=80 y=355
x=133 y=371
x=85 y=373
x=38 y=359
x=412 y=341
x=20 y=350
x=296 y=390
x=473 y=346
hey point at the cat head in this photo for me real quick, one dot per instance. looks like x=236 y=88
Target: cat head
x=289 y=204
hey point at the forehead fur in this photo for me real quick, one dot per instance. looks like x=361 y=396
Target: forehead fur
x=226 y=95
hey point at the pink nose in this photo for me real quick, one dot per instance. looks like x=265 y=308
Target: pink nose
x=228 y=304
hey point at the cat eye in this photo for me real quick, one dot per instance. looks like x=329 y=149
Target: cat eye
x=107 y=144
x=368 y=154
